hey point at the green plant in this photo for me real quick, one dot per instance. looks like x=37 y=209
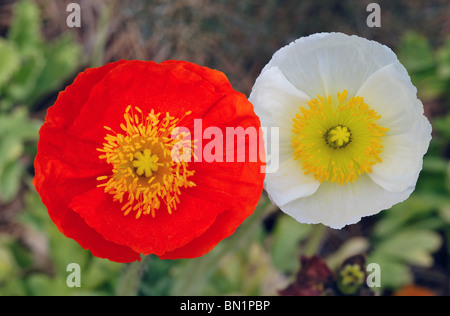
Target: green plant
x=31 y=66
x=30 y=69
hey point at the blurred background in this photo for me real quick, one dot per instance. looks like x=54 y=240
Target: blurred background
x=40 y=55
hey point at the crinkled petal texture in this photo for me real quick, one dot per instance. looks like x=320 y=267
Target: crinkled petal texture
x=67 y=163
x=326 y=64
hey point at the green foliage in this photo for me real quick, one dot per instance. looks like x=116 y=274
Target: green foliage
x=286 y=239
x=9 y=63
x=33 y=67
x=30 y=69
x=255 y=260
x=411 y=232
x=98 y=276
x=428 y=67
x=16 y=131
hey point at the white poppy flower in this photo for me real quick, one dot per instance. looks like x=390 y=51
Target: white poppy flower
x=352 y=130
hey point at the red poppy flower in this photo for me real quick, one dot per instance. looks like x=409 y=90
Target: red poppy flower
x=105 y=171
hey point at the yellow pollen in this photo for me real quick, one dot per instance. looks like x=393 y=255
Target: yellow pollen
x=337 y=139
x=144 y=174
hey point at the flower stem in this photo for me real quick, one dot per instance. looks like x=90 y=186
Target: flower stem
x=131 y=277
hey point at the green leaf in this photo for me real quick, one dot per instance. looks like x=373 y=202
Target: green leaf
x=413 y=210
x=61 y=60
x=7 y=263
x=15 y=129
x=9 y=61
x=430 y=86
x=443 y=60
x=23 y=82
x=99 y=272
x=65 y=251
x=287 y=235
x=25 y=30
x=394 y=274
x=413 y=247
x=416 y=53
x=10 y=180
x=442 y=124
x=444 y=212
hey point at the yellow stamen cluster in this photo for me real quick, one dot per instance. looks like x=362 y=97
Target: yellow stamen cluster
x=337 y=140
x=144 y=174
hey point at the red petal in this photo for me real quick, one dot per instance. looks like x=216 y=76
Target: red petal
x=176 y=91
x=73 y=226
x=56 y=192
x=224 y=226
x=146 y=235
x=70 y=101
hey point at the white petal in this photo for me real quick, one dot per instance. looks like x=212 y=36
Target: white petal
x=328 y=63
x=289 y=183
x=276 y=102
x=394 y=97
x=337 y=206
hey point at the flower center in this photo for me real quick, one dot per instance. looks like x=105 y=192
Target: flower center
x=337 y=139
x=144 y=174
x=145 y=163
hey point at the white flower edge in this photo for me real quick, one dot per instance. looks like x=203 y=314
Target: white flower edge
x=338 y=206
x=310 y=63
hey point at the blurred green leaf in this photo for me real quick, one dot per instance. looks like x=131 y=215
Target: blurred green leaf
x=431 y=87
x=10 y=176
x=416 y=53
x=429 y=70
x=413 y=247
x=43 y=66
x=24 y=80
x=443 y=60
x=25 y=29
x=7 y=263
x=98 y=276
x=9 y=61
x=444 y=212
x=410 y=212
x=62 y=59
x=394 y=274
x=442 y=124
x=157 y=280
x=287 y=236
x=16 y=128
x=241 y=273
